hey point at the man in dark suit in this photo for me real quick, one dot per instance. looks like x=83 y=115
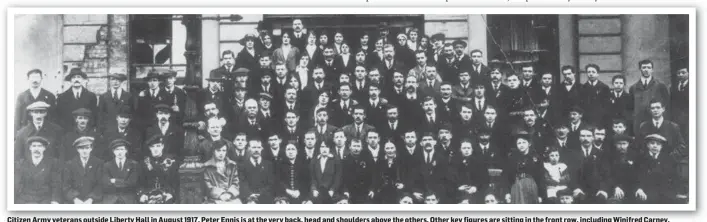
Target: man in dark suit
x=373 y=148
x=239 y=152
x=430 y=86
x=528 y=82
x=34 y=94
x=82 y=175
x=620 y=102
x=680 y=100
x=390 y=64
x=463 y=90
x=236 y=106
x=487 y=150
x=120 y=176
x=177 y=95
x=266 y=85
x=360 y=85
x=310 y=149
x=293 y=176
x=375 y=107
x=433 y=169
x=331 y=67
x=393 y=129
x=267 y=113
x=291 y=103
x=293 y=131
x=656 y=173
x=214 y=92
x=339 y=146
x=465 y=63
x=499 y=130
x=670 y=130
x=149 y=98
x=257 y=177
x=546 y=97
x=326 y=173
x=410 y=153
x=74 y=98
x=575 y=123
x=318 y=86
x=448 y=144
x=467 y=123
x=432 y=118
x=622 y=171
x=38 y=126
x=480 y=101
x=343 y=107
x=299 y=37
x=358 y=129
x=274 y=153
x=252 y=123
x=569 y=91
x=172 y=134
x=595 y=96
x=644 y=90
x=81 y=128
x=585 y=163
x=448 y=106
x=410 y=106
x=359 y=175
x=112 y=101
x=123 y=129
x=38 y=177
x=562 y=141
x=447 y=65
x=498 y=90
x=395 y=92
x=324 y=130
x=479 y=71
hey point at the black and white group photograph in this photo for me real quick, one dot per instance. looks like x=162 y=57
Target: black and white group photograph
x=351 y=109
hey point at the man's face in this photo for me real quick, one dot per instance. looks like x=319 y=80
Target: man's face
x=479 y=91
x=529 y=117
x=496 y=76
x=360 y=57
x=421 y=59
x=567 y=199
x=490 y=199
x=265 y=62
x=339 y=139
x=291 y=119
x=156 y=149
x=329 y=54
x=431 y=199
x=562 y=132
x=431 y=72
x=429 y=106
x=359 y=116
x=374 y=76
x=459 y=49
x=446 y=91
x=364 y=40
x=85 y=151
x=267 y=40
x=281 y=71
x=647 y=70
x=654 y=146
x=490 y=115
x=569 y=75
x=76 y=80
x=323 y=40
x=318 y=75
x=445 y=135
x=379 y=44
x=513 y=82
x=586 y=137
x=464 y=77
x=372 y=139
x=228 y=60
x=210 y=110
x=338 y=38
x=345 y=92
x=249 y=44
x=592 y=74
x=256 y=148
x=389 y=149
x=120 y=152
x=304 y=61
x=466 y=113
x=38 y=115
x=618 y=84
x=114 y=83
x=575 y=117
x=240 y=94
x=252 y=108
x=476 y=58
x=220 y=153
x=411 y=83
x=546 y=80
x=265 y=104
x=449 y=51
x=619 y=128
x=265 y=79
x=389 y=52
x=599 y=135
x=310 y=140
x=683 y=74
x=171 y=80
x=428 y=143
x=360 y=73
x=37 y=149
x=398 y=79
x=344 y=78
x=657 y=110
x=622 y=146
x=373 y=92
x=163 y=116
x=528 y=73
x=82 y=121
x=35 y=80
x=406 y=200
x=392 y=114
x=466 y=149
x=297 y=25
x=215 y=85
x=291 y=95
x=291 y=151
x=322 y=118
x=274 y=142
x=240 y=142
x=410 y=138
x=214 y=129
x=355 y=148
x=122 y=121
x=153 y=83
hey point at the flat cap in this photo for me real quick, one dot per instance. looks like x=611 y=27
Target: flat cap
x=459 y=42
x=264 y=95
x=75 y=72
x=438 y=36
x=241 y=72
x=153 y=74
x=215 y=75
x=118 y=76
x=622 y=138
x=83 y=141
x=155 y=139
x=81 y=112
x=656 y=137
x=40 y=139
x=162 y=107
x=39 y=105
x=119 y=142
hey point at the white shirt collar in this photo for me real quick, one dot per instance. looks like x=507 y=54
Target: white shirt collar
x=35 y=92
x=36 y=161
x=646 y=80
x=252 y=160
x=659 y=120
x=120 y=161
x=411 y=149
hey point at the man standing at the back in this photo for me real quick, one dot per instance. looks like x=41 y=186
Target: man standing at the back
x=643 y=91
x=74 y=98
x=33 y=94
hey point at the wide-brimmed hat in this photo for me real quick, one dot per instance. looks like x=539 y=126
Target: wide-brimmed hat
x=75 y=72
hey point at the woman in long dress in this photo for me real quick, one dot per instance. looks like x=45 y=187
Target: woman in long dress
x=221 y=176
x=524 y=172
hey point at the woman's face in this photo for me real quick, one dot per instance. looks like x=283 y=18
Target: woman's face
x=220 y=153
x=413 y=36
x=423 y=42
x=466 y=149
x=294 y=82
x=267 y=40
x=312 y=39
x=379 y=44
x=522 y=145
x=345 y=49
x=323 y=98
x=339 y=38
x=323 y=40
x=304 y=61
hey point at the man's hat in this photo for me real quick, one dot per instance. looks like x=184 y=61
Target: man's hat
x=119 y=142
x=459 y=42
x=40 y=139
x=483 y=131
x=118 y=76
x=267 y=96
x=163 y=107
x=268 y=72
x=124 y=111
x=170 y=73
x=153 y=74
x=39 y=105
x=155 y=139
x=656 y=137
x=83 y=141
x=438 y=36
x=577 y=109
x=241 y=72
x=82 y=112
x=445 y=126
x=216 y=75
x=74 y=72
x=622 y=138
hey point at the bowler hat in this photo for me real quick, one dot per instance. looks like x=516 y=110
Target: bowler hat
x=124 y=111
x=215 y=75
x=153 y=74
x=75 y=72
x=170 y=73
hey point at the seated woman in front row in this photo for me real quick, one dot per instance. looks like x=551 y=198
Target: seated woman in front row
x=221 y=176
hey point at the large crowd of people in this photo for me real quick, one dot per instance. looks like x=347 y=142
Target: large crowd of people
x=381 y=119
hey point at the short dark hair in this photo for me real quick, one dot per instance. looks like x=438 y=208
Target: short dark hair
x=643 y=62
x=657 y=100
x=33 y=71
x=592 y=65
x=619 y=76
x=568 y=67
x=228 y=52
x=476 y=50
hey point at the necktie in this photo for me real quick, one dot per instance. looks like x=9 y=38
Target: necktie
x=358 y=131
x=292 y=131
x=656 y=124
x=115 y=94
x=429 y=83
x=562 y=144
x=77 y=95
x=682 y=86
x=120 y=165
x=154 y=93
x=432 y=120
x=429 y=157
x=346 y=106
x=479 y=105
x=267 y=114
x=586 y=152
x=341 y=153
x=392 y=126
x=655 y=156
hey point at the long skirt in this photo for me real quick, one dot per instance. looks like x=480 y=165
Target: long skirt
x=524 y=191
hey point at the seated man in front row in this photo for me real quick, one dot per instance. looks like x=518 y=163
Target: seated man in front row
x=38 y=178
x=82 y=174
x=120 y=175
